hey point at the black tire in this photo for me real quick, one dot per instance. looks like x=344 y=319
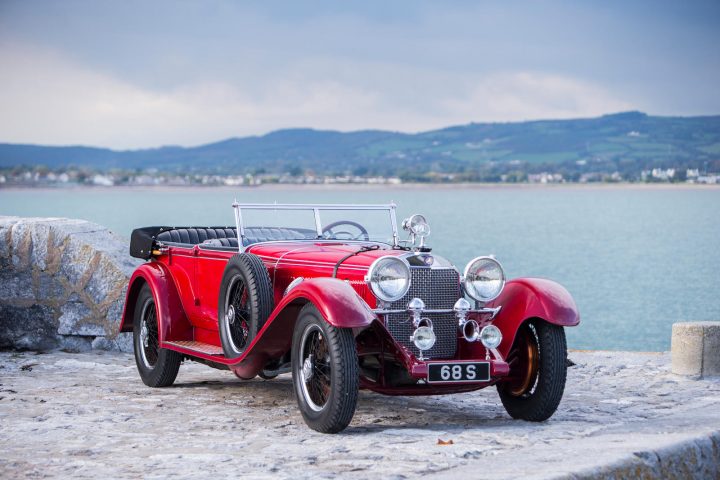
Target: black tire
x=158 y=367
x=537 y=395
x=267 y=375
x=245 y=286
x=327 y=399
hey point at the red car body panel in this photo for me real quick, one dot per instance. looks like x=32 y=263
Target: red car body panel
x=185 y=282
x=172 y=321
x=337 y=301
x=526 y=298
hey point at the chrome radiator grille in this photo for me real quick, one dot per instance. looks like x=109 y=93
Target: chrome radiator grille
x=439 y=289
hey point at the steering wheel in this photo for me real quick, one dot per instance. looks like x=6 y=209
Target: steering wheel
x=328 y=231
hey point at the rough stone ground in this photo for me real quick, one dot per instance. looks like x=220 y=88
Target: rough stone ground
x=88 y=415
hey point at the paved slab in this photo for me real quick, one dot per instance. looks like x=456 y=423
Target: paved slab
x=88 y=415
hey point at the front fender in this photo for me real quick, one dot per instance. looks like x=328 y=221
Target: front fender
x=173 y=324
x=337 y=301
x=525 y=298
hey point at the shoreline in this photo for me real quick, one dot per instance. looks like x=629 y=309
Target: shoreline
x=367 y=186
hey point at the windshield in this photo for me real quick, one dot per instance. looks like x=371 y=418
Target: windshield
x=331 y=222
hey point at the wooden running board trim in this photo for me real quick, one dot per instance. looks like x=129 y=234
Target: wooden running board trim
x=199 y=347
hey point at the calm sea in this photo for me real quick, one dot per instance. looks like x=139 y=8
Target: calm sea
x=636 y=259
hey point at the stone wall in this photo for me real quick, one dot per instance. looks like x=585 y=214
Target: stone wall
x=62 y=285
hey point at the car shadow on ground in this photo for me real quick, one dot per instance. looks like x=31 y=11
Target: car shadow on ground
x=375 y=412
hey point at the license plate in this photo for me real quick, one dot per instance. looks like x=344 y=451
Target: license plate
x=459 y=372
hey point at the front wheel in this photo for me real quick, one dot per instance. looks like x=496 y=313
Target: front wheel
x=325 y=372
x=538 y=368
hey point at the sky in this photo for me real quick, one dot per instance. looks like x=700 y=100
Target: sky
x=138 y=74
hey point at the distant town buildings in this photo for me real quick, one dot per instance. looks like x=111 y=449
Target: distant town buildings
x=545 y=178
x=42 y=177
x=150 y=179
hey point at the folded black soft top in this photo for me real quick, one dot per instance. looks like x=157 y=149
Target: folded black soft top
x=142 y=239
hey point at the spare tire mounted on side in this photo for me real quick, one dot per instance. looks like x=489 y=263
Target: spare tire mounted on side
x=245 y=302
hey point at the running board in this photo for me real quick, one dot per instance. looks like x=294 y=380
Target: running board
x=195 y=347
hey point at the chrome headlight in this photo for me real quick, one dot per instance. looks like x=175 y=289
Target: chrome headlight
x=491 y=336
x=484 y=279
x=389 y=278
x=417 y=225
x=423 y=338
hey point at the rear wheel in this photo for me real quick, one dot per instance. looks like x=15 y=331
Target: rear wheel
x=538 y=368
x=245 y=302
x=158 y=367
x=325 y=372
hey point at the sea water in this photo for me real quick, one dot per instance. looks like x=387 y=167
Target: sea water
x=636 y=259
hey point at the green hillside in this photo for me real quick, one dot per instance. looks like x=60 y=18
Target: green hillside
x=625 y=142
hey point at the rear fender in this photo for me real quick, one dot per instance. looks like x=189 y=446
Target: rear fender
x=526 y=298
x=173 y=324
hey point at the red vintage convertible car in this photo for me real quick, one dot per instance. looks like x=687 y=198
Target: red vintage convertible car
x=332 y=294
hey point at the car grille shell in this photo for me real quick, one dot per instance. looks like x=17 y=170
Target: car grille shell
x=439 y=288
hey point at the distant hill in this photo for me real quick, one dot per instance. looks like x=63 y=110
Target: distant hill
x=630 y=140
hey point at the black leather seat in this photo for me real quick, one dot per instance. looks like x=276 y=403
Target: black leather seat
x=197 y=235
x=227 y=237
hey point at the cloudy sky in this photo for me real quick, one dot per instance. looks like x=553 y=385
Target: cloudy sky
x=143 y=74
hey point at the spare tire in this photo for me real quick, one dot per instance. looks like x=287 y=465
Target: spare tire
x=245 y=302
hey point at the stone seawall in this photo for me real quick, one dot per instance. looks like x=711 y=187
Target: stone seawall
x=62 y=285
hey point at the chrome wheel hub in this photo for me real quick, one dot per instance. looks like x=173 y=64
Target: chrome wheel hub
x=144 y=335
x=230 y=314
x=307 y=369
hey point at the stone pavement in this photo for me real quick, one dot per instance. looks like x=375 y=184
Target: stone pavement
x=88 y=415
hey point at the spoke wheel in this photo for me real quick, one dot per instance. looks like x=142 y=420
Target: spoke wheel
x=149 y=334
x=523 y=360
x=237 y=319
x=316 y=369
x=325 y=372
x=538 y=370
x=158 y=367
x=245 y=302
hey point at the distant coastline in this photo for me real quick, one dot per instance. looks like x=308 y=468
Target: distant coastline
x=614 y=148
x=365 y=186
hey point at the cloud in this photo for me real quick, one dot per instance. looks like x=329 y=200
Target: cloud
x=48 y=98
x=518 y=96
x=45 y=98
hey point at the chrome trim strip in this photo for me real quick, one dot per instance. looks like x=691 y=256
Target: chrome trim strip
x=321 y=240
x=239 y=228
x=492 y=311
x=313 y=206
x=318 y=224
x=393 y=221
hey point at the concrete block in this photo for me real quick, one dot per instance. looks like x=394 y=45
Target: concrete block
x=696 y=348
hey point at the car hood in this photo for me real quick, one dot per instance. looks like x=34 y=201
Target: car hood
x=355 y=256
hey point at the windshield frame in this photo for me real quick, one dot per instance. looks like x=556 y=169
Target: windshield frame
x=316 y=208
